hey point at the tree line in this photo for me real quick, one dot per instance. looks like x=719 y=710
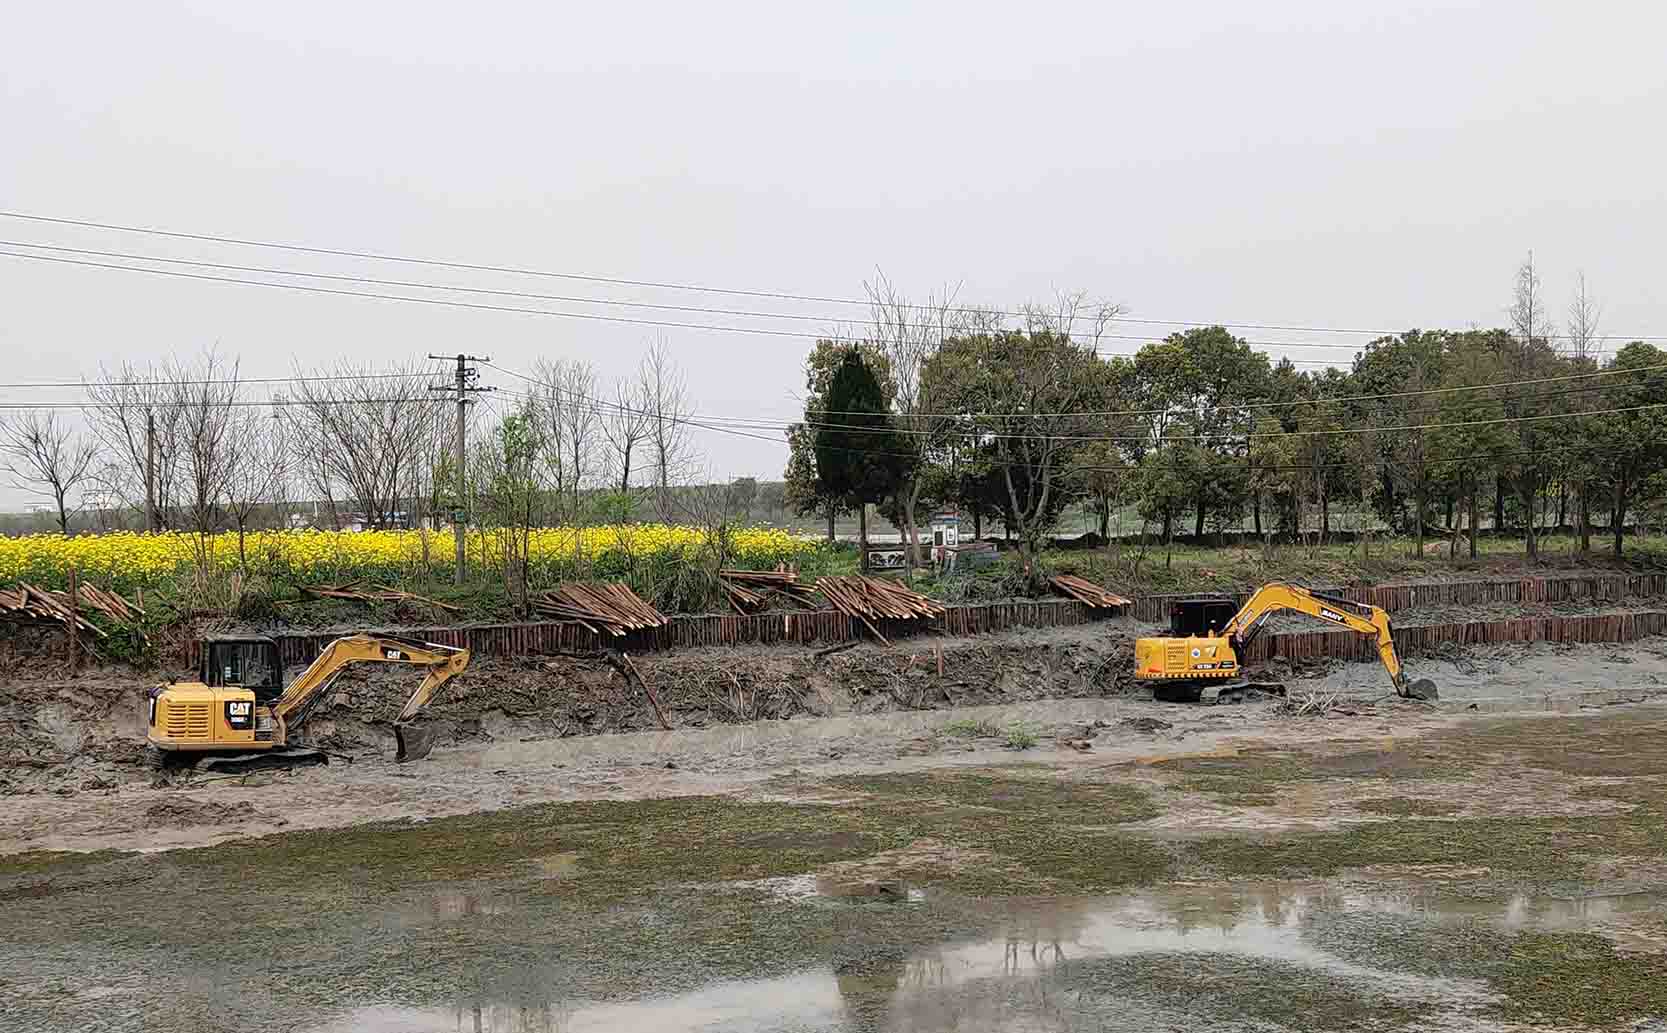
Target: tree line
x=1014 y=416
x=193 y=445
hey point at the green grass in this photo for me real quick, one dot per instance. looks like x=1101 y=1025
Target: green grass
x=1020 y=735
x=1246 y=992
x=1559 y=979
x=968 y=728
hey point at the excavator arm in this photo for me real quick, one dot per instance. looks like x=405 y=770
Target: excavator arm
x=443 y=663
x=1367 y=620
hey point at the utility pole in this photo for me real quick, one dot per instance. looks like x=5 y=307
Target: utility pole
x=150 y=469
x=465 y=386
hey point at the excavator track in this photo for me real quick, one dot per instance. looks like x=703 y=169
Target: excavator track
x=266 y=760
x=1212 y=693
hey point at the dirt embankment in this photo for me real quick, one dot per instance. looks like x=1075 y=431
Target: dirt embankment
x=64 y=734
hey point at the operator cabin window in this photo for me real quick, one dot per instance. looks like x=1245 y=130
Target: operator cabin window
x=247 y=664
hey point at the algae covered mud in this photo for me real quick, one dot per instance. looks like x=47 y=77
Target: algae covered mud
x=1393 y=869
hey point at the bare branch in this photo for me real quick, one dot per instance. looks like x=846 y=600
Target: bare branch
x=45 y=456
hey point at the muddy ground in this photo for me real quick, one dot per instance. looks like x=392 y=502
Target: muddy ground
x=64 y=734
x=1013 y=845
x=1395 y=869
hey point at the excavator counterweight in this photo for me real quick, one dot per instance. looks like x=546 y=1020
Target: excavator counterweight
x=1195 y=665
x=239 y=715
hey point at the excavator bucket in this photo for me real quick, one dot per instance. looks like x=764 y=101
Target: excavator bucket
x=414 y=743
x=1422 y=688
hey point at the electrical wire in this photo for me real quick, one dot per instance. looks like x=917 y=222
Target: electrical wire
x=1337 y=400
x=599 y=405
x=226 y=382
x=1124 y=468
x=667 y=285
x=482 y=306
x=534 y=295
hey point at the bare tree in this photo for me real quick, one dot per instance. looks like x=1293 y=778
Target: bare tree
x=205 y=398
x=1584 y=315
x=572 y=435
x=909 y=334
x=625 y=428
x=1532 y=354
x=369 y=437
x=256 y=473
x=569 y=434
x=132 y=414
x=45 y=456
x=1527 y=310
x=664 y=398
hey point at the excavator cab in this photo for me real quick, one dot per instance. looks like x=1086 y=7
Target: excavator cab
x=250 y=662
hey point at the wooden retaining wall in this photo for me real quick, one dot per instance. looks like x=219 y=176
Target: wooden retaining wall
x=1348 y=645
x=829 y=626
x=1552 y=588
x=802 y=628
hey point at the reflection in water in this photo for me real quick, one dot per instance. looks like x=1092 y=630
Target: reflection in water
x=1006 y=982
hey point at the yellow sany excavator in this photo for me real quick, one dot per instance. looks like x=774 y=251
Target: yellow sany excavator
x=1208 y=666
x=238 y=715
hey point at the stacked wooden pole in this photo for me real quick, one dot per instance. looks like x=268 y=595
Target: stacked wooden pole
x=870 y=598
x=1088 y=593
x=603 y=606
x=750 y=589
x=29 y=602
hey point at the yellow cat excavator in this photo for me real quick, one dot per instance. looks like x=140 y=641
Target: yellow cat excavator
x=239 y=716
x=1189 y=666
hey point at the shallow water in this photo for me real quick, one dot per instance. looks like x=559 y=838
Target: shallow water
x=1060 y=964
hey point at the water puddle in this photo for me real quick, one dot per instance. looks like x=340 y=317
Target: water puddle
x=1557 y=702
x=1197 y=957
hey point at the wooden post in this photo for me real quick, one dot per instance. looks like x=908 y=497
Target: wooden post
x=74 y=622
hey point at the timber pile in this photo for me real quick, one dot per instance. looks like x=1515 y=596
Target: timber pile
x=1088 y=593
x=599 y=606
x=870 y=598
x=750 y=589
x=375 y=594
x=28 y=602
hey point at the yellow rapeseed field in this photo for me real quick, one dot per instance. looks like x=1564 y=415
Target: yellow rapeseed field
x=317 y=555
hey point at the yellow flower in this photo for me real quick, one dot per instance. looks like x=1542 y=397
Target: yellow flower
x=310 y=556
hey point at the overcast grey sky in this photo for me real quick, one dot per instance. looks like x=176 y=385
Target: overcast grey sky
x=1319 y=163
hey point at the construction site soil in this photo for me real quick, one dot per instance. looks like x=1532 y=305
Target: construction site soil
x=1000 y=832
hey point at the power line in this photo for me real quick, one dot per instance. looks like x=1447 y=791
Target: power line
x=274 y=403
x=1339 y=399
x=779 y=424
x=1102 y=468
x=599 y=405
x=668 y=285
x=451 y=303
x=535 y=295
x=482 y=306
x=226 y=382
